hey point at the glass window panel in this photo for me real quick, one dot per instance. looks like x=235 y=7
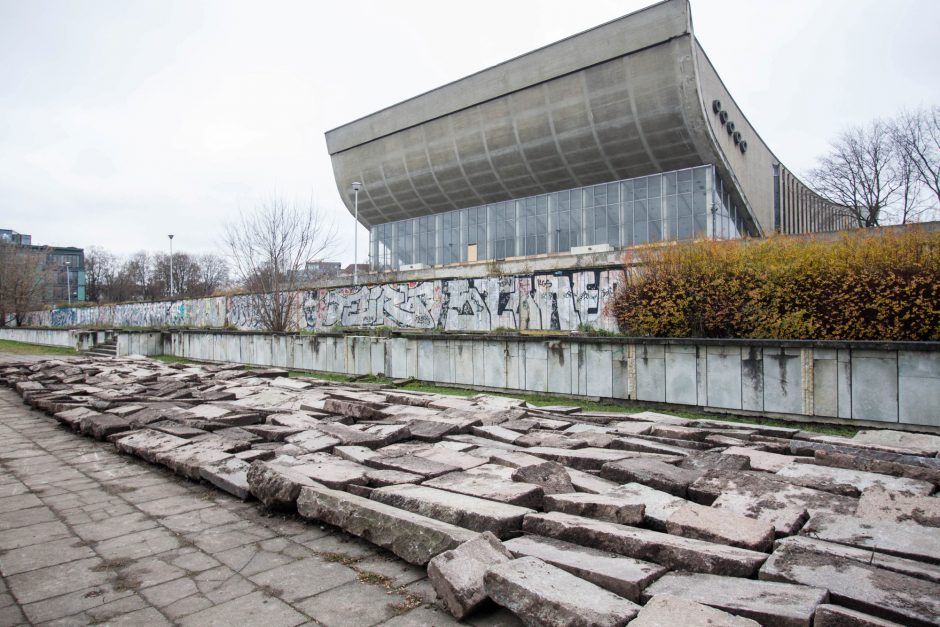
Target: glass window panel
x=684 y=181
x=700 y=222
x=654 y=185
x=613 y=193
x=640 y=233
x=685 y=228
x=613 y=215
x=655 y=231
x=613 y=235
x=669 y=183
x=699 y=175
x=600 y=195
x=654 y=206
x=641 y=213
x=669 y=230
x=639 y=189
x=685 y=205
x=626 y=190
x=670 y=207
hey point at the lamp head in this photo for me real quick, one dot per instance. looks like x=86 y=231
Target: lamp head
x=356 y=186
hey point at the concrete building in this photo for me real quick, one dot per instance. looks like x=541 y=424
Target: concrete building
x=618 y=136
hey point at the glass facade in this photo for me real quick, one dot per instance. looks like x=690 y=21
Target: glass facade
x=679 y=205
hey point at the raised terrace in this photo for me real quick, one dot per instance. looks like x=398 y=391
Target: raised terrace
x=559 y=515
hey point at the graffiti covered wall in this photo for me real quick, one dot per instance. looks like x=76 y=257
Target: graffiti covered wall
x=556 y=301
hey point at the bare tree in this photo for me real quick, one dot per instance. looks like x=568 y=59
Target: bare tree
x=268 y=249
x=100 y=267
x=24 y=279
x=917 y=136
x=861 y=173
x=213 y=274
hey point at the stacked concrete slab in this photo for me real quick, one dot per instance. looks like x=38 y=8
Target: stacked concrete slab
x=562 y=516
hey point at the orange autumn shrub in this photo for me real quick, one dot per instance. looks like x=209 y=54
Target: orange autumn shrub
x=861 y=286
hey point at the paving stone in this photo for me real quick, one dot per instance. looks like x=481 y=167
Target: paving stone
x=591 y=484
x=331 y=471
x=581 y=459
x=276 y=485
x=761 y=460
x=411 y=463
x=502 y=457
x=51 y=553
x=541 y=437
x=551 y=476
x=621 y=575
x=312 y=441
x=923 y=443
x=717 y=525
x=451 y=457
x=382 y=478
x=254 y=608
x=103 y=425
x=668 y=609
x=608 y=507
x=495 y=432
x=652 y=473
x=358 y=454
x=189 y=460
x=837 y=616
x=856 y=585
x=704 y=461
x=490 y=487
x=229 y=474
x=769 y=603
x=469 y=512
x=877 y=503
x=764 y=497
x=414 y=538
x=353 y=602
x=304 y=578
x=349 y=436
x=271 y=432
x=640 y=445
x=295 y=420
x=674 y=552
x=907 y=540
x=148 y=444
x=824 y=477
x=837 y=459
x=541 y=594
x=457 y=574
x=914 y=568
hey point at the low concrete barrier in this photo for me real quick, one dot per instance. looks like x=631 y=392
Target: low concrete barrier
x=894 y=382
x=44 y=337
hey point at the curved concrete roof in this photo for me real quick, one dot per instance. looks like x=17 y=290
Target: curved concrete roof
x=624 y=99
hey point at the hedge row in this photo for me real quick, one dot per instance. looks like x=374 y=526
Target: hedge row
x=862 y=286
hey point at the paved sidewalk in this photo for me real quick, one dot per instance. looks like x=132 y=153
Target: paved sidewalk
x=91 y=536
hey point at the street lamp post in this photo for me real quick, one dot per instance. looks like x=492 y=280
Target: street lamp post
x=356 y=186
x=171 y=265
x=68 y=282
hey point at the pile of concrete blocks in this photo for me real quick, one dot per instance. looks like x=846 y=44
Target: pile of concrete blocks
x=563 y=516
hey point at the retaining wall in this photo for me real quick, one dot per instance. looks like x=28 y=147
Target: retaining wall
x=560 y=300
x=896 y=383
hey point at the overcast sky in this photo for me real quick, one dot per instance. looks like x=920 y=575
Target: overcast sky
x=124 y=120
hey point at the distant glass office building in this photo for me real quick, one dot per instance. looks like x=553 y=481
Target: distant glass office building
x=621 y=135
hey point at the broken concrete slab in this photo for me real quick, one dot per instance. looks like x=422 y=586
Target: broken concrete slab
x=331 y=471
x=668 y=609
x=658 y=506
x=229 y=474
x=639 y=445
x=147 y=443
x=382 y=478
x=477 y=514
x=922 y=443
x=609 y=507
x=914 y=568
x=188 y=460
x=856 y=585
x=828 y=479
x=276 y=484
x=551 y=476
x=450 y=457
x=880 y=504
x=761 y=460
x=312 y=441
x=907 y=540
x=457 y=574
x=510 y=459
x=895 y=469
x=674 y=552
x=620 y=574
x=272 y=432
x=588 y=458
x=103 y=425
x=721 y=526
x=487 y=486
x=497 y=433
x=543 y=595
x=838 y=616
x=412 y=537
x=427 y=468
x=767 y=602
x=765 y=497
x=358 y=454
x=652 y=473
x=591 y=484
x=714 y=460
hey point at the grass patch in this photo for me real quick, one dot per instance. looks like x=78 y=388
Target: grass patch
x=22 y=348
x=374 y=579
x=339 y=558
